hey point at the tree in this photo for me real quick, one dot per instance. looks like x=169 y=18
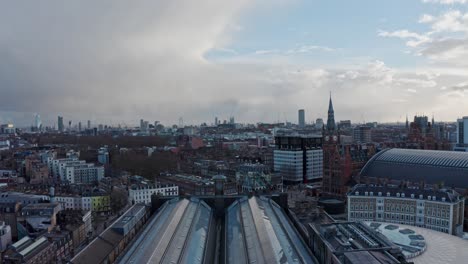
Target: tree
x=119 y=199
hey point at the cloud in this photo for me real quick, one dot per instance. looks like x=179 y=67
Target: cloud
x=116 y=61
x=462 y=87
x=261 y=52
x=113 y=58
x=415 y=38
x=451 y=21
x=445 y=43
x=426 y=18
x=309 y=48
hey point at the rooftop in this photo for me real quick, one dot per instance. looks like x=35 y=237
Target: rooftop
x=258 y=231
x=355 y=242
x=180 y=232
x=432 y=166
x=441 y=248
x=409 y=193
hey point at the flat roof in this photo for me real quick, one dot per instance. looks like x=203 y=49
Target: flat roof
x=441 y=248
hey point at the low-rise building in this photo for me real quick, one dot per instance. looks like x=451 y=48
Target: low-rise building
x=5 y=236
x=107 y=247
x=352 y=243
x=30 y=251
x=96 y=201
x=141 y=193
x=63 y=244
x=78 y=223
x=40 y=217
x=9 y=214
x=189 y=184
x=22 y=198
x=441 y=210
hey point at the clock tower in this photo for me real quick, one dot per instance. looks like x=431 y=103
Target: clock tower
x=331 y=154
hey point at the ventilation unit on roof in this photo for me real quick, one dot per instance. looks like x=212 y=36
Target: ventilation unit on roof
x=380 y=193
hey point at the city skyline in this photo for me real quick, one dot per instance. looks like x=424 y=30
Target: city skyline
x=258 y=61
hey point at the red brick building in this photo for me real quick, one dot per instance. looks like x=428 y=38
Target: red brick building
x=341 y=163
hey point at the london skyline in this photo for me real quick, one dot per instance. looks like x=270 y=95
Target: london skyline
x=257 y=61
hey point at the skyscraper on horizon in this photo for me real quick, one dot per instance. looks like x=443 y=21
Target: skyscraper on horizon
x=60 y=123
x=37 y=122
x=301 y=117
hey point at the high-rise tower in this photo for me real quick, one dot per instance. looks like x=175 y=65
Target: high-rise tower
x=301 y=118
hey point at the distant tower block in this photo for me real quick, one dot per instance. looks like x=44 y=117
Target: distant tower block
x=301 y=117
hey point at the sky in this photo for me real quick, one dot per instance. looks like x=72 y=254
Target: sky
x=117 y=61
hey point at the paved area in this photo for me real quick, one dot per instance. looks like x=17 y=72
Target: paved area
x=441 y=248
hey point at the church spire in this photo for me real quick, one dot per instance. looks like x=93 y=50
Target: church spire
x=331 y=116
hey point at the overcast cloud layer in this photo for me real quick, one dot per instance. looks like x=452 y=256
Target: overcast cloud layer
x=118 y=61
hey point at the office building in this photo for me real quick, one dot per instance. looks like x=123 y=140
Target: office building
x=7 y=129
x=440 y=210
x=298 y=158
x=301 y=120
x=37 y=122
x=362 y=134
x=319 y=123
x=462 y=134
x=60 y=124
x=103 y=156
x=344 y=124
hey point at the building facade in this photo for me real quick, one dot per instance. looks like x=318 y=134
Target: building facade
x=462 y=134
x=437 y=210
x=362 y=134
x=5 y=236
x=301 y=117
x=298 y=158
x=142 y=193
x=342 y=161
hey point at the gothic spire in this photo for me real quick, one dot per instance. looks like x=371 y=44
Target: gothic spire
x=331 y=116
